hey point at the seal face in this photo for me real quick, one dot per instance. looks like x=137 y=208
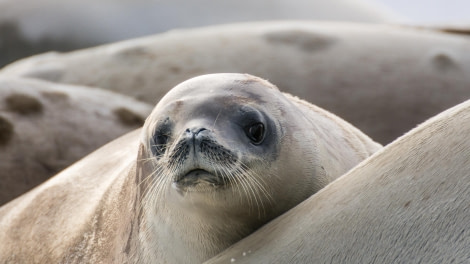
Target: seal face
x=214 y=145
x=214 y=140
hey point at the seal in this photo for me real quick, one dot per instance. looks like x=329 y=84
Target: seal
x=45 y=127
x=219 y=156
x=302 y=58
x=32 y=33
x=408 y=203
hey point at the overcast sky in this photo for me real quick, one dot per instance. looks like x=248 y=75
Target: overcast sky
x=431 y=11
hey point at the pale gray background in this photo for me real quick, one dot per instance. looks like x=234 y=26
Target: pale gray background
x=431 y=11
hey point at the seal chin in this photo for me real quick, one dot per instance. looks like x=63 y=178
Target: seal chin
x=198 y=178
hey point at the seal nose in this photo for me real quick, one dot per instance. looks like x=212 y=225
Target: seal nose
x=195 y=137
x=195 y=131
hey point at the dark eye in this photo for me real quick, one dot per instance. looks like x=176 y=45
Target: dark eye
x=160 y=141
x=255 y=133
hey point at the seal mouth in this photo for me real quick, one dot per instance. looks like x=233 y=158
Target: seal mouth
x=198 y=176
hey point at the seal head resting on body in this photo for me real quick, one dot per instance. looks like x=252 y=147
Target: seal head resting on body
x=223 y=154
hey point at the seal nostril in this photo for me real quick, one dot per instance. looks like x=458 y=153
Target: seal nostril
x=197 y=131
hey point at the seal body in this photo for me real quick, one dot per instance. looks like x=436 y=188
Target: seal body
x=317 y=61
x=219 y=156
x=408 y=203
x=45 y=127
x=80 y=24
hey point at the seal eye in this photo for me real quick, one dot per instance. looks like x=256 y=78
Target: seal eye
x=160 y=141
x=255 y=133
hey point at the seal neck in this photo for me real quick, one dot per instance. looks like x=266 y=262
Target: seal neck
x=200 y=235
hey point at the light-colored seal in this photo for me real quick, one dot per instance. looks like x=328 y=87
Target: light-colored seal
x=409 y=203
x=219 y=156
x=79 y=24
x=45 y=127
x=356 y=71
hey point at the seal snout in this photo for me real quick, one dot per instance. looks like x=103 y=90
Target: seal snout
x=196 y=134
x=199 y=158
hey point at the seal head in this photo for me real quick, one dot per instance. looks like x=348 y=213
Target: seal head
x=215 y=138
x=223 y=154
